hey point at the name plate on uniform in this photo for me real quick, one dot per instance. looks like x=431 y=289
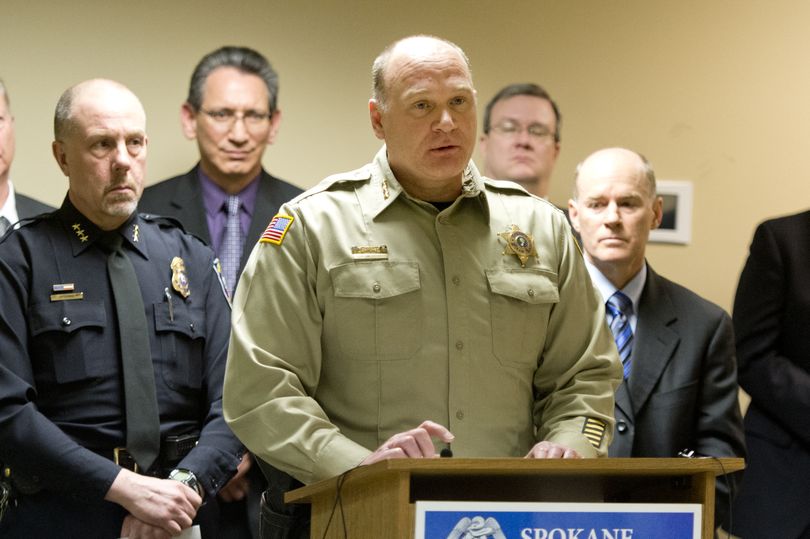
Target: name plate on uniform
x=540 y=520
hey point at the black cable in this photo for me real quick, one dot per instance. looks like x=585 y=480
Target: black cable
x=338 y=502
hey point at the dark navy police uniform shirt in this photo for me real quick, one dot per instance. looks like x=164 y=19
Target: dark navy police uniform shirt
x=61 y=388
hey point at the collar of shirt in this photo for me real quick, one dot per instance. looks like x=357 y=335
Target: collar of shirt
x=83 y=232
x=9 y=209
x=632 y=289
x=386 y=188
x=214 y=197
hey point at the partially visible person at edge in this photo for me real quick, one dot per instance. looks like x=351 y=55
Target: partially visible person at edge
x=771 y=315
x=13 y=205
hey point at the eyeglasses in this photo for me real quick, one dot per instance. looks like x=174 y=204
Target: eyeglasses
x=511 y=129
x=226 y=118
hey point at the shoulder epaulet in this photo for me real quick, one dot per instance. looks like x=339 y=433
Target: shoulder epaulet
x=165 y=221
x=162 y=220
x=334 y=181
x=25 y=221
x=505 y=185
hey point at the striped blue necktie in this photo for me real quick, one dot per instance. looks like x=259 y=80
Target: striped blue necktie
x=619 y=308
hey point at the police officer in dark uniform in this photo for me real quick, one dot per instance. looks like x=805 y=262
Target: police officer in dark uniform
x=64 y=391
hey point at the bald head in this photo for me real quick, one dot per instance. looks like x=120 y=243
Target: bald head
x=113 y=94
x=613 y=209
x=418 y=48
x=619 y=162
x=100 y=145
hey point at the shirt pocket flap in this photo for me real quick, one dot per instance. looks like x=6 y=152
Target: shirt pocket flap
x=179 y=319
x=375 y=280
x=529 y=285
x=66 y=316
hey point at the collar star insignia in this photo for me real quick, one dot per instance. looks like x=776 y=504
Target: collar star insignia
x=519 y=244
x=81 y=234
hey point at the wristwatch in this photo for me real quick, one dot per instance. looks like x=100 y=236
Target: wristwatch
x=188 y=478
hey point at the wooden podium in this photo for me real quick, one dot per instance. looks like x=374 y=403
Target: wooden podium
x=379 y=500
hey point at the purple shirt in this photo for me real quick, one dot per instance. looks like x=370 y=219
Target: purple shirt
x=216 y=209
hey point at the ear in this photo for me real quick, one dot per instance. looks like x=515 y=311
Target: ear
x=60 y=155
x=573 y=213
x=275 y=123
x=658 y=211
x=188 y=120
x=376 y=119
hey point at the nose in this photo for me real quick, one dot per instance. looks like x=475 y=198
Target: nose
x=123 y=160
x=446 y=122
x=238 y=132
x=612 y=215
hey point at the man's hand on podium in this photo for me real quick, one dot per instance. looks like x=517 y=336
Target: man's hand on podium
x=414 y=443
x=550 y=450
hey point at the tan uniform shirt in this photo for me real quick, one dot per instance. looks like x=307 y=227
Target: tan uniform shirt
x=377 y=311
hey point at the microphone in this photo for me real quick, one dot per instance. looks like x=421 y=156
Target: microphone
x=446 y=452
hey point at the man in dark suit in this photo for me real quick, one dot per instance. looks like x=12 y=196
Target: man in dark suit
x=228 y=199
x=771 y=315
x=13 y=206
x=680 y=388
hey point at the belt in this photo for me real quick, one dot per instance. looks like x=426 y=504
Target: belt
x=172 y=451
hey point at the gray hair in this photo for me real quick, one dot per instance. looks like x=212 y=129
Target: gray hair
x=381 y=63
x=645 y=170
x=242 y=58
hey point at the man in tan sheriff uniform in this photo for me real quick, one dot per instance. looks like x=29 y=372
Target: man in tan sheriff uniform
x=413 y=303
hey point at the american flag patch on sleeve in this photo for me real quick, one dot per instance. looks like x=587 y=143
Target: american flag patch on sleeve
x=277 y=229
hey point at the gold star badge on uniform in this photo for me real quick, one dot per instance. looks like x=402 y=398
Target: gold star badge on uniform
x=519 y=244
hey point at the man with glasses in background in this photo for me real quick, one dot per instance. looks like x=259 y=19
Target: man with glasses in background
x=521 y=139
x=228 y=199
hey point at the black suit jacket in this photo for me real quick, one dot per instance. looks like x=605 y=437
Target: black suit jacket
x=682 y=391
x=181 y=197
x=28 y=207
x=772 y=324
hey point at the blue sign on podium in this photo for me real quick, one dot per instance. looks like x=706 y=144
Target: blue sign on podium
x=540 y=520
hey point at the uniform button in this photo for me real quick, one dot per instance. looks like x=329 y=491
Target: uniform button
x=456 y=280
x=621 y=427
x=459 y=345
x=191 y=327
x=376 y=287
x=66 y=321
x=459 y=415
x=531 y=292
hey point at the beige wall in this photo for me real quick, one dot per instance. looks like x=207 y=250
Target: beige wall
x=711 y=92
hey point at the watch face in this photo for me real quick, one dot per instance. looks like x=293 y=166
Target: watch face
x=181 y=475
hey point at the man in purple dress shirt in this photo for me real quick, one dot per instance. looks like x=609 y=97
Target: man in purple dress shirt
x=228 y=199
